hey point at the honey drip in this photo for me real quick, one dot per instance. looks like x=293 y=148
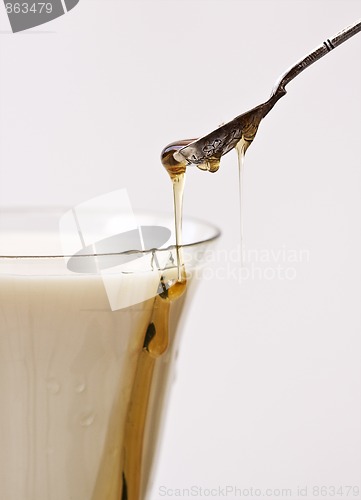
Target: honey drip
x=241 y=149
x=177 y=171
x=156 y=342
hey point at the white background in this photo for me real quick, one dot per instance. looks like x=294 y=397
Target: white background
x=268 y=387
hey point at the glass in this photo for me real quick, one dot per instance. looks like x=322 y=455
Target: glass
x=86 y=355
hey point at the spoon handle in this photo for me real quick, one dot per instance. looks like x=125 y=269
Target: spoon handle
x=315 y=55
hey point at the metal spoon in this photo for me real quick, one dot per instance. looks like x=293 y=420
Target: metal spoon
x=207 y=151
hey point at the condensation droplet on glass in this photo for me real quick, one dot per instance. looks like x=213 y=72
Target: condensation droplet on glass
x=53 y=386
x=86 y=419
x=79 y=388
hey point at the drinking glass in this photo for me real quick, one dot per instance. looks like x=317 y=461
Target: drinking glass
x=87 y=348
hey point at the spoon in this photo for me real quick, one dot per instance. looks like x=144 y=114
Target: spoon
x=206 y=151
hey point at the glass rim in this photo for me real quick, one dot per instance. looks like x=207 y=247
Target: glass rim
x=215 y=234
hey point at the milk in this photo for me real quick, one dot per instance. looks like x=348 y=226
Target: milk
x=67 y=366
